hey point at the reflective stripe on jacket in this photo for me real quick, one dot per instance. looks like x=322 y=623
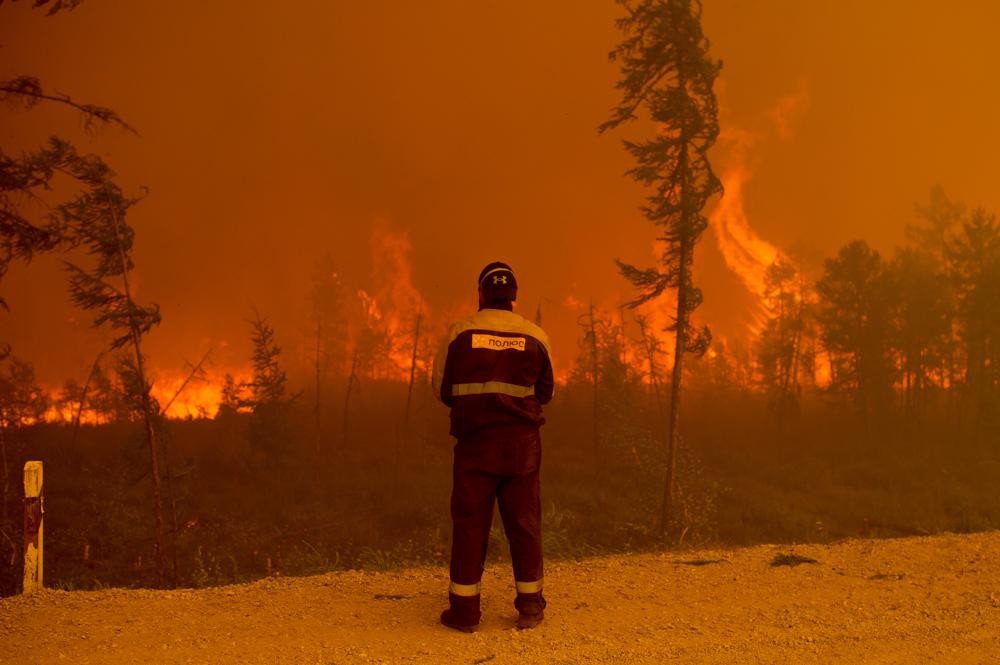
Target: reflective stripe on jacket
x=494 y=369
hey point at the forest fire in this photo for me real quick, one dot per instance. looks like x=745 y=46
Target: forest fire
x=397 y=306
x=182 y=396
x=231 y=249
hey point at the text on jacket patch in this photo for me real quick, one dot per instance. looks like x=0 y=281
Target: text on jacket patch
x=481 y=341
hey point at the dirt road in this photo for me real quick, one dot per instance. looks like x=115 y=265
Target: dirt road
x=913 y=600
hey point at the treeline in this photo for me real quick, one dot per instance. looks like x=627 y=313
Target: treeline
x=893 y=354
x=908 y=338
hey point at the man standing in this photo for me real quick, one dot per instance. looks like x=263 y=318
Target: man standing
x=495 y=372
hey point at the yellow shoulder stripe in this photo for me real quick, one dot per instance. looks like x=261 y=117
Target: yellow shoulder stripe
x=499 y=320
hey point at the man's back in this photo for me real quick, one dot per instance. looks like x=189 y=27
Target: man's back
x=494 y=370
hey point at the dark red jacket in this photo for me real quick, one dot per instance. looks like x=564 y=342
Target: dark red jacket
x=494 y=369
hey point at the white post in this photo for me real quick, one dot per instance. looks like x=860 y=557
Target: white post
x=33 y=510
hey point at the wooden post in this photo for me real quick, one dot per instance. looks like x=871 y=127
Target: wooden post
x=33 y=511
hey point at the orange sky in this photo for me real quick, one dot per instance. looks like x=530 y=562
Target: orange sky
x=273 y=132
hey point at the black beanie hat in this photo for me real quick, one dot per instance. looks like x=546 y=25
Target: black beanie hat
x=498 y=282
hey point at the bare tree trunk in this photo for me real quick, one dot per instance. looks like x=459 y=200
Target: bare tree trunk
x=413 y=369
x=174 y=530
x=173 y=514
x=648 y=346
x=351 y=380
x=317 y=409
x=680 y=341
x=621 y=318
x=147 y=407
x=83 y=396
x=6 y=477
x=593 y=358
x=154 y=465
x=680 y=344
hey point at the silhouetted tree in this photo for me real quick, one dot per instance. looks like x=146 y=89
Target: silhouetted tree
x=921 y=324
x=652 y=349
x=854 y=317
x=232 y=397
x=590 y=363
x=937 y=220
x=666 y=68
x=974 y=263
x=95 y=220
x=24 y=178
x=779 y=346
x=268 y=400
x=327 y=305
x=414 y=356
x=370 y=351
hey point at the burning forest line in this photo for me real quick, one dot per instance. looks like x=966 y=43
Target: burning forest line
x=857 y=414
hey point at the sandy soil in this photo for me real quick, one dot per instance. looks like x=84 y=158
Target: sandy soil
x=912 y=600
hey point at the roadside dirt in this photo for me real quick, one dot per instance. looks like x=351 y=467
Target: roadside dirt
x=914 y=600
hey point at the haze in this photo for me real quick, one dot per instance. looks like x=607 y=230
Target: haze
x=272 y=133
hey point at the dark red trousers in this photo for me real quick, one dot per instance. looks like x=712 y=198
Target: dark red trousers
x=502 y=466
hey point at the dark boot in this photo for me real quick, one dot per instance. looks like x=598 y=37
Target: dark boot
x=530 y=608
x=463 y=614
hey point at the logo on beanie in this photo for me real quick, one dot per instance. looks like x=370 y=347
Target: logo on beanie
x=495 y=343
x=499 y=279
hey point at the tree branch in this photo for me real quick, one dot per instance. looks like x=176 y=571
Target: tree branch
x=28 y=90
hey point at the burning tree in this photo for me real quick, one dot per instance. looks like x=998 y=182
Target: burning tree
x=666 y=69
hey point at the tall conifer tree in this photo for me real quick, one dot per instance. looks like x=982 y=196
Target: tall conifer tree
x=667 y=72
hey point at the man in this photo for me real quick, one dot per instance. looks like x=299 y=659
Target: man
x=495 y=372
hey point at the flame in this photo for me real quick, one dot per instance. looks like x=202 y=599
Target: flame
x=746 y=253
x=200 y=398
x=397 y=303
